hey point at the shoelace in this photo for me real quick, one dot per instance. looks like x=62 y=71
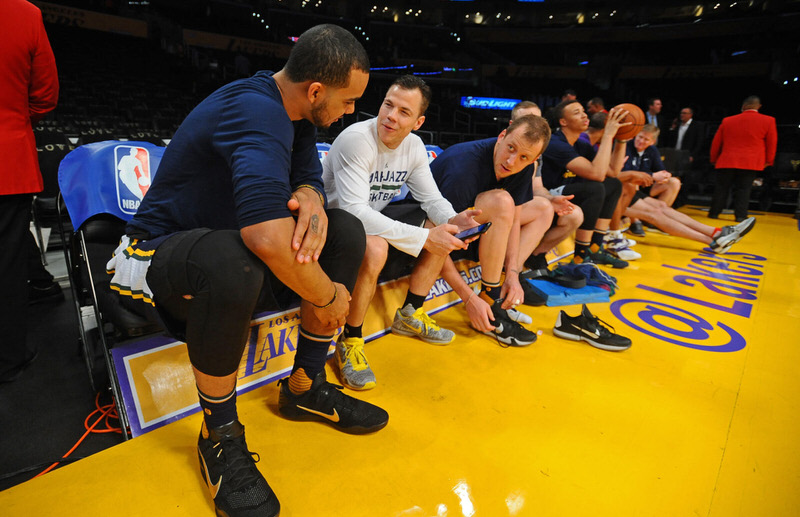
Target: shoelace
x=241 y=462
x=426 y=320
x=355 y=354
x=601 y=329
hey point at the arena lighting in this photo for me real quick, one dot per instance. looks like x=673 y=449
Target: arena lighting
x=489 y=103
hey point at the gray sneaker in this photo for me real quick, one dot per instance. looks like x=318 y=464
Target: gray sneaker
x=354 y=369
x=410 y=322
x=730 y=235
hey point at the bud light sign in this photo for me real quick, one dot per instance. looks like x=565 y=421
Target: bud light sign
x=489 y=103
x=132 y=169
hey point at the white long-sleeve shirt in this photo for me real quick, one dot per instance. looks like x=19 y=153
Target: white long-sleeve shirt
x=362 y=175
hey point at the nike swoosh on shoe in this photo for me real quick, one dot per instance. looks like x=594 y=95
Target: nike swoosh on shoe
x=214 y=488
x=595 y=335
x=333 y=417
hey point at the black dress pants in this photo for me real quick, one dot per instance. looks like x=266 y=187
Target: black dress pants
x=15 y=212
x=741 y=181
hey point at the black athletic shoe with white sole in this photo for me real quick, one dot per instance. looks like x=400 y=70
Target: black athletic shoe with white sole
x=229 y=469
x=325 y=402
x=532 y=297
x=508 y=331
x=587 y=327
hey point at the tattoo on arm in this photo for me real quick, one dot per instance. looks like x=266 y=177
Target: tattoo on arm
x=315 y=223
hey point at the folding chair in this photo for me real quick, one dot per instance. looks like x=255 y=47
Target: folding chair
x=101 y=185
x=44 y=206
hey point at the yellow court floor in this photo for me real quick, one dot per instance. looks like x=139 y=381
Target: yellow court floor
x=699 y=417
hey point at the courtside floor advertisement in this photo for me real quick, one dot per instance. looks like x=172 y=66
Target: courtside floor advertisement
x=156 y=377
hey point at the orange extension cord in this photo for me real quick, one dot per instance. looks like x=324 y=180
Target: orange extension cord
x=107 y=412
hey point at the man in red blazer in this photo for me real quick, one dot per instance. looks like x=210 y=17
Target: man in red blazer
x=743 y=146
x=28 y=91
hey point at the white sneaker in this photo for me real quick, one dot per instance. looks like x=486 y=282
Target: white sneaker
x=626 y=254
x=619 y=248
x=613 y=235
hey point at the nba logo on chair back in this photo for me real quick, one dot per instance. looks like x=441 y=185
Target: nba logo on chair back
x=322 y=151
x=433 y=151
x=132 y=172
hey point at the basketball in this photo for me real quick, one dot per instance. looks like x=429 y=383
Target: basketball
x=635 y=116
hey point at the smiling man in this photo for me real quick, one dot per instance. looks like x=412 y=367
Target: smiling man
x=493 y=176
x=367 y=165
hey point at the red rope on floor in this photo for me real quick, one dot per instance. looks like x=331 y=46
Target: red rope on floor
x=106 y=412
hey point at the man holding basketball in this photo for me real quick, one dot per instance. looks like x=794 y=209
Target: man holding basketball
x=571 y=167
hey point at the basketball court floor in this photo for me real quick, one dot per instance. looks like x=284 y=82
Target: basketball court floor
x=699 y=417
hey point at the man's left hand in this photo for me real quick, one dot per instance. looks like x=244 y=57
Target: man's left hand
x=311 y=229
x=511 y=292
x=562 y=204
x=465 y=220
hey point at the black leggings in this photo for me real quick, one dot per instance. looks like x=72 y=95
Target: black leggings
x=597 y=199
x=228 y=283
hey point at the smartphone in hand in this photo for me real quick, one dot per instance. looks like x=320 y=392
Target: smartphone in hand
x=478 y=230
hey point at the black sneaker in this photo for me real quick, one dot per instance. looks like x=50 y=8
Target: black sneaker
x=229 y=468
x=587 y=327
x=326 y=402
x=508 y=331
x=636 y=228
x=532 y=297
x=602 y=256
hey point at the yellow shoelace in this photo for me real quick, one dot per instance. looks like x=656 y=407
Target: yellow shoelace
x=425 y=319
x=354 y=352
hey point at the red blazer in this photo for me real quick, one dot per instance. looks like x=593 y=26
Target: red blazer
x=28 y=91
x=745 y=141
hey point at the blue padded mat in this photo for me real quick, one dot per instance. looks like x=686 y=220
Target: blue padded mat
x=558 y=295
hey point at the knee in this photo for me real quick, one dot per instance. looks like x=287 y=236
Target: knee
x=541 y=209
x=613 y=187
x=497 y=206
x=348 y=231
x=628 y=189
x=235 y=275
x=375 y=255
x=574 y=219
x=674 y=183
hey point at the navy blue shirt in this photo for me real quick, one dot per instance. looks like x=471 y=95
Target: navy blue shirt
x=464 y=170
x=233 y=162
x=649 y=161
x=556 y=157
